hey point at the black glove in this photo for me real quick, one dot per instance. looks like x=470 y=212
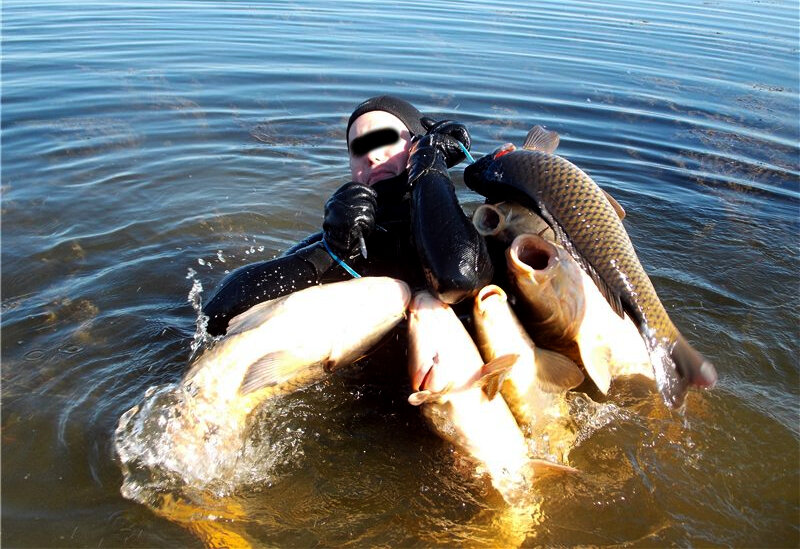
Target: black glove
x=349 y=216
x=446 y=135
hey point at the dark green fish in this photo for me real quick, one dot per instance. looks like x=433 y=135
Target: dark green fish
x=587 y=224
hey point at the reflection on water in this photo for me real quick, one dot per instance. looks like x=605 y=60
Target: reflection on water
x=150 y=148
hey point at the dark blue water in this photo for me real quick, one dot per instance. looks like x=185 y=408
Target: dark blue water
x=148 y=147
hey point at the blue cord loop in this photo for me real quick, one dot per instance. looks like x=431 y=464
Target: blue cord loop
x=344 y=265
x=466 y=152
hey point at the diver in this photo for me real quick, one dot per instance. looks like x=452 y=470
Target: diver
x=398 y=217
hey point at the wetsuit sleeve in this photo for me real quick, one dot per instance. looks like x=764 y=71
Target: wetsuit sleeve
x=252 y=284
x=453 y=255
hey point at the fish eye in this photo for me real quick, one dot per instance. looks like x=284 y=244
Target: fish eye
x=372 y=140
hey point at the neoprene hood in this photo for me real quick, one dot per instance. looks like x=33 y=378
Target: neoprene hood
x=405 y=111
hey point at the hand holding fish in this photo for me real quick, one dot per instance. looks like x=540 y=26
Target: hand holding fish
x=446 y=135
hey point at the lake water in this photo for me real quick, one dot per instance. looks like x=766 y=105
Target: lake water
x=151 y=147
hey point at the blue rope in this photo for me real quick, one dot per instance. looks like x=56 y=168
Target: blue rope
x=344 y=265
x=466 y=152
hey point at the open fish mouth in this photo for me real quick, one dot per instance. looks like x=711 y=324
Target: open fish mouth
x=533 y=252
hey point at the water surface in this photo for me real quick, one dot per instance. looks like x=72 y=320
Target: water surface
x=150 y=147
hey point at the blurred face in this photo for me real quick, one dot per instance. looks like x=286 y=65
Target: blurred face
x=379 y=144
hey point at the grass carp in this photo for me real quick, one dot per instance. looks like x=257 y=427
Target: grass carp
x=447 y=375
x=587 y=225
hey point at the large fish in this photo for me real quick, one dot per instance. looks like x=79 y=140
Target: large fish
x=290 y=342
x=195 y=430
x=535 y=385
x=447 y=375
x=563 y=308
x=564 y=311
x=587 y=225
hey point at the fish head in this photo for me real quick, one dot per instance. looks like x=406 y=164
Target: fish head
x=423 y=313
x=441 y=352
x=488 y=219
x=485 y=172
x=532 y=256
x=488 y=297
x=547 y=279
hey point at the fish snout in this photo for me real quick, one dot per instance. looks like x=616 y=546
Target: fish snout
x=487 y=294
x=488 y=220
x=531 y=253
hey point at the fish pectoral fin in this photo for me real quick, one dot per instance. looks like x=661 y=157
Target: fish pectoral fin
x=494 y=372
x=544 y=467
x=555 y=373
x=597 y=362
x=616 y=205
x=269 y=370
x=423 y=396
x=540 y=139
x=420 y=397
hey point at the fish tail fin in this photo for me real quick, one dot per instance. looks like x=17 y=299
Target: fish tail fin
x=692 y=366
x=677 y=366
x=542 y=467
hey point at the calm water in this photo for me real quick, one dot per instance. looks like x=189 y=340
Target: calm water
x=150 y=147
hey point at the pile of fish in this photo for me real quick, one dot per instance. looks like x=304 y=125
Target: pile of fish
x=572 y=303
x=586 y=223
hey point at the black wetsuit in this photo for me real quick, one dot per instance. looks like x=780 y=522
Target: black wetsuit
x=421 y=236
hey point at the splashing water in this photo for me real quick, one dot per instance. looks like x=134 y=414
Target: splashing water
x=171 y=444
x=195 y=297
x=166 y=445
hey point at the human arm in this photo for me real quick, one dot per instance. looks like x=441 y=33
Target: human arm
x=257 y=282
x=349 y=214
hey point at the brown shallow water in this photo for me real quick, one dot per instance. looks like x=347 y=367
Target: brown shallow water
x=149 y=148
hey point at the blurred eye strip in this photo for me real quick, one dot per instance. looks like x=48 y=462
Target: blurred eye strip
x=372 y=140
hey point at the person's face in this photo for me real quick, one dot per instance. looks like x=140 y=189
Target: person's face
x=379 y=144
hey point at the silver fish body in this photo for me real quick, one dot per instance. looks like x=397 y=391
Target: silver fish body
x=535 y=386
x=195 y=431
x=282 y=345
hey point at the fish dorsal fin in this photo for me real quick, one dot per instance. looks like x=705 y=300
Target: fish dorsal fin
x=540 y=139
x=493 y=373
x=556 y=373
x=254 y=316
x=543 y=467
x=270 y=370
x=616 y=205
